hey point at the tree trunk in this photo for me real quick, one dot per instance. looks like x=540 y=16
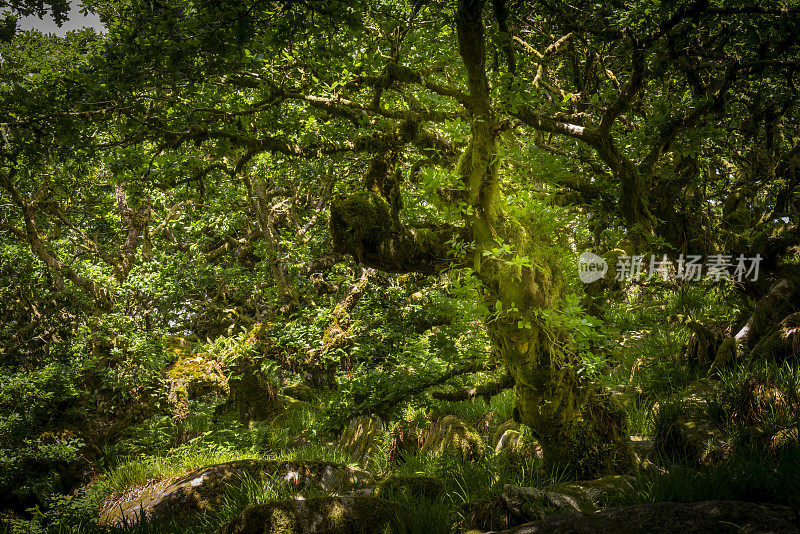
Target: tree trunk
x=286 y=289
x=578 y=426
x=581 y=431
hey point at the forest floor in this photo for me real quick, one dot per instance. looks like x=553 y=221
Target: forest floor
x=444 y=467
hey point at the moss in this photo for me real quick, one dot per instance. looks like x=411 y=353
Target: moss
x=591 y=494
x=684 y=431
x=769 y=347
x=781 y=343
x=361 y=221
x=194 y=376
x=258 y=333
x=453 y=435
x=205 y=489
x=362 y=437
x=516 y=445
x=332 y=515
x=500 y=430
x=726 y=355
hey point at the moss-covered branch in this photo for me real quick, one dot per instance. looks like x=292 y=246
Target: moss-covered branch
x=361 y=225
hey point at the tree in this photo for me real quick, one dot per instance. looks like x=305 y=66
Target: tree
x=446 y=128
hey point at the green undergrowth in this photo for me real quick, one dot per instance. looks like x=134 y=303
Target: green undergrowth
x=748 y=475
x=645 y=368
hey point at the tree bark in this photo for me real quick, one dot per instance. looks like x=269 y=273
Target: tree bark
x=580 y=429
x=286 y=289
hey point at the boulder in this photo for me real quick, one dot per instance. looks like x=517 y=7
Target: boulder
x=349 y=514
x=518 y=505
x=362 y=437
x=642 y=446
x=534 y=503
x=592 y=493
x=454 y=436
x=204 y=489
x=501 y=429
x=671 y=518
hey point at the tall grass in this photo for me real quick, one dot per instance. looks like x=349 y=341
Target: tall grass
x=748 y=475
x=142 y=469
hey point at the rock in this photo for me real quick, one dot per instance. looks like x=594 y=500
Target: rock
x=671 y=518
x=204 y=489
x=644 y=449
x=727 y=353
x=518 y=505
x=688 y=438
x=642 y=446
x=362 y=437
x=500 y=430
x=321 y=515
x=533 y=503
x=395 y=487
x=592 y=493
x=193 y=376
x=454 y=436
x=513 y=443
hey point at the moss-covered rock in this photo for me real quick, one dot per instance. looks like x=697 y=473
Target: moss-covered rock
x=362 y=437
x=451 y=435
x=782 y=343
x=501 y=429
x=684 y=429
x=514 y=443
x=204 y=489
x=591 y=494
x=726 y=355
x=529 y=504
x=321 y=515
x=671 y=518
x=643 y=447
x=518 y=505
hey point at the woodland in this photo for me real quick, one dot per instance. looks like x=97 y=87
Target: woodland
x=400 y=266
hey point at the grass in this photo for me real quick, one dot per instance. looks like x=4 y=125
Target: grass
x=140 y=470
x=751 y=473
x=745 y=476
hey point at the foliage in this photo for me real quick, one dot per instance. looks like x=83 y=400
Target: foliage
x=193 y=182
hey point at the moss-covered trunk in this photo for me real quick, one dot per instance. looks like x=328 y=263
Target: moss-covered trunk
x=577 y=425
x=581 y=431
x=580 y=428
